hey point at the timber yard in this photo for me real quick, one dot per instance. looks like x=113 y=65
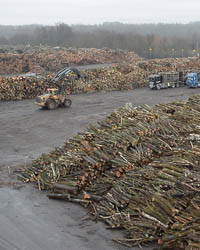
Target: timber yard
x=117 y=170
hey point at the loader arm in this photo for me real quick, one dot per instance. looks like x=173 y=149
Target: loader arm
x=60 y=76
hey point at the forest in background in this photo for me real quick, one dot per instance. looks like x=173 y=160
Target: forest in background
x=147 y=40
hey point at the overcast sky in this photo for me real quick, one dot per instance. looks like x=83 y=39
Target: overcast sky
x=17 y=12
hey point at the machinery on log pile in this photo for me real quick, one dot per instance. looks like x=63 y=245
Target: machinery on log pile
x=57 y=96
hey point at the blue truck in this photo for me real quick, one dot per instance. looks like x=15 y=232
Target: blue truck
x=193 y=80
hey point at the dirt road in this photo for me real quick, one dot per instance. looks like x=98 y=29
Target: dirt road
x=29 y=221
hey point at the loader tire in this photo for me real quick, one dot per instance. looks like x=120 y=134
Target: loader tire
x=51 y=104
x=67 y=103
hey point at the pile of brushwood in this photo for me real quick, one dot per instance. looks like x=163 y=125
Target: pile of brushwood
x=120 y=77
x=139 y=169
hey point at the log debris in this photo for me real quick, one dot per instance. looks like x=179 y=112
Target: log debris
x=141 y=174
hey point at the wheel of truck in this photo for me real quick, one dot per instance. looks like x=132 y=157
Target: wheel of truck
x=157 y=87
x=173 y=85
x=67 y=103
x=51 y=104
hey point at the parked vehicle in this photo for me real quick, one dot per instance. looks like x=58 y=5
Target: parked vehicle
x=165 y=80
x=193 y=80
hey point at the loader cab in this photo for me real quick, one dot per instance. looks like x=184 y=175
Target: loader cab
x=155 y=81
x=53 y=91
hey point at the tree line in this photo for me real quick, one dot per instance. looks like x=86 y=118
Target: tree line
x=147 y=40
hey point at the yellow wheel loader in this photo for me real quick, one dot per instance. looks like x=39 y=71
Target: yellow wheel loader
x=56 y=97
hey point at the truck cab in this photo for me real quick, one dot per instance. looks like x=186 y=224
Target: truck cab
x=193 y=80
x=155 y=81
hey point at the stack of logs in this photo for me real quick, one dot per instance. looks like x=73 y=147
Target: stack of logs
x=40 y=60
x=138 y=170
x=117 y=77
x=18 y=88
x=170 y=64
x=47 y=59
x=110 y=78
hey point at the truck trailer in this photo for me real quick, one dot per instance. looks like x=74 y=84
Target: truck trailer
x=165 y=80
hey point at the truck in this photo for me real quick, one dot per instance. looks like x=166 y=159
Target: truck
x=165 y=80
x=193 y=79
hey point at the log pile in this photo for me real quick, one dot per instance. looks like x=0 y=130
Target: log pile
x=123 y=77
x=18 y=88
x=45 y=59
x=138 y=170
x=40 y=60
x=170 y=64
